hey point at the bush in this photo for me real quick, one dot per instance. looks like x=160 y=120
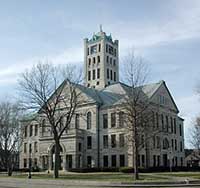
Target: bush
x=126 y=169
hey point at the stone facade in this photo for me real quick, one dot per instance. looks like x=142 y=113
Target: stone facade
x=97 y=136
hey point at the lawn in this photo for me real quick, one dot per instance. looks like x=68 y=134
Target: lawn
x=111 y=177
x=195 y=175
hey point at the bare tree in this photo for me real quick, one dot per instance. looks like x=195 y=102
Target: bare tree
x=9 y=135
x=43 y=89
x=139 y=116
x=195 y=139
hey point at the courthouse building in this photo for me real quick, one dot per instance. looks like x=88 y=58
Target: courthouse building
x=97 y=135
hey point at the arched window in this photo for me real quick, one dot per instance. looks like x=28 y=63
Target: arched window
x=89 y=120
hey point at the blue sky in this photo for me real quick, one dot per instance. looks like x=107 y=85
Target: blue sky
x=165 y=33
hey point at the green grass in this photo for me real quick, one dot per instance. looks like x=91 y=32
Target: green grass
x=195 y=175
x=112 y=177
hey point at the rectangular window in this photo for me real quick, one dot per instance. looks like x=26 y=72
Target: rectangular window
x=121 y=119
x=175 y=144
x=115 y=52
x=110 y=49
x=25 y=131
x=35 y=147
x=111 y=75
x=88 y=51
x=77 y=121
x=94 y=60
x=122 y=160
x=167 y=123
x=181 y=146
x=105 y=121
x=114 y=62
x=98 y=59
x=121 y=140
x=89 y=161
x=174 y=125
x=89 y=142
x=113 y=160
x=107 y=59
x=111 y=60
x=105 y=141
x=89 y=61
x=162 y=120
x=143 y=160
x=154 y=160
x=105 y=161
x=106 y=47
x=89 y=75
x=31 y=130
x=172 y=144
x=99 y=47
x=79 y=147
x=114 y=76
x=180 y=130
x=25 y=163
x=158 y=141
x=93 y=75
x=25 y=147
x=36 y=130
x=158 y=160
x=108 y=74
x=98 y=73
x=30 y=148
x=113 y=141
x=35 y=162
x=113 y=120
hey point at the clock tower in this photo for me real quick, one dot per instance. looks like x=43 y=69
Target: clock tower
x=101 y=60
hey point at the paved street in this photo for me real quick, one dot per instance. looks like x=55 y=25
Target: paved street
x=46 y=183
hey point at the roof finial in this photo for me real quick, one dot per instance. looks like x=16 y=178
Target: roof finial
x=101 y=30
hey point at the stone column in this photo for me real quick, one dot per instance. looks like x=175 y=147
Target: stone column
x=64 y=162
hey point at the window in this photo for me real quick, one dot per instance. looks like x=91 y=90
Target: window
x=121 y=140
x=107 y=59
x=98 y=59
x=35 y=147
x=77 y=121
x=31 y=131
x=25 y=147
x=93 y=75
x=158 y=141
x=79 y=146
x=154 y=160
x=122 y=160
x=89 y=120
x=111 y=75
x=98 y=73
x=105 y=141
x=99 y=47
x=162 y=120
x=30 y=148
x=43 y=126
x=172 y=144
x=88 y=51
x=115 y=52
x=143 y=160
x=89 y=142
x=107 y=73
x=113 y=141
x=98 y=83
x=110 y=50
x=89 y=161
x=174 y=125
x=181 y=146
x=175 y=144
x=35 y=162
x=154 y=142
x=114 y=76
x=105 y=160
x=121 y=119
x=111 y=60
x=25 y=131
x=158 y=160
x=105 y=121
x=113 y=120
x=89 y=75
x=93 y=49
x=114 y=62
x=36 y=130
x=167 y=123
x=94 y=60
x=181 y=161
x=165 y=144
x=106 y=47
x=153 y=119
x=89 y=61
x=25 y=163
x=180 y=130
x=142 y=141
x=113 y=160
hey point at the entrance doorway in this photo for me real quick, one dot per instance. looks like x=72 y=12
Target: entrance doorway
x=165 y=160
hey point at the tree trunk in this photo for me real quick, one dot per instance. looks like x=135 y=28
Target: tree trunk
x=135 y=161
x=57 y=159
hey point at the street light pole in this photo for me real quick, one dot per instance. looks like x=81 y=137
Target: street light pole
x=30 y=165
